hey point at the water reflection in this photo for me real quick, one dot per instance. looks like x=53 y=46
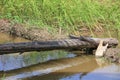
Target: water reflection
x=107 y=72
x=5 y=38
x=15 y=61
x=44 y=68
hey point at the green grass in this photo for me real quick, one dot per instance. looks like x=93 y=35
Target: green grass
x=68 y=15
x=3 y=77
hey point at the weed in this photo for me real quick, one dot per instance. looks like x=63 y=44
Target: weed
x=63 y=14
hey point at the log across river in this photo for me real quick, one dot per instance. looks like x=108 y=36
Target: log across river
x=72 y=43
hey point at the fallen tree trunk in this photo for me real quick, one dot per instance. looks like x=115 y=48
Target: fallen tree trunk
x=83 y=42
x=95 y=41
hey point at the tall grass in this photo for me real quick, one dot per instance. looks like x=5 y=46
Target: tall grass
x=69 y=15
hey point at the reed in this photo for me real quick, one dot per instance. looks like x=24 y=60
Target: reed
x=68 y=15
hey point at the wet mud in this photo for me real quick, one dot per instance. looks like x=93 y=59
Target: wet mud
x=113 y=55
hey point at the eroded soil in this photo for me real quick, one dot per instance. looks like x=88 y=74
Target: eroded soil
x=22 y=30
x=113 y=55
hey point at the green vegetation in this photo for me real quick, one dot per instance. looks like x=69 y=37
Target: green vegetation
x=3 y=77
x=69 y=15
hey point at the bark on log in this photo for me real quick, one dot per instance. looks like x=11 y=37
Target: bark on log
x=113 y=42
x=84 y=42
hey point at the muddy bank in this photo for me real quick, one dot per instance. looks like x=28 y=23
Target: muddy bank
x=35 y=33
x=30 y=33
x=113 y=55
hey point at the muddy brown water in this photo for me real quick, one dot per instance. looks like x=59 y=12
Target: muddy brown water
x=89 y=70
x=54 y=65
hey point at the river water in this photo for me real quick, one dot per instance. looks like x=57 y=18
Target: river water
x=54 y=65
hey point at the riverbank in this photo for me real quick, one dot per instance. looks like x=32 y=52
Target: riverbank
x=34 y=33
x=41 y=34
x=113 y=55
x=21 y=30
